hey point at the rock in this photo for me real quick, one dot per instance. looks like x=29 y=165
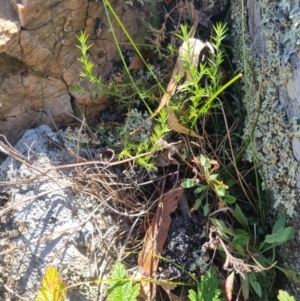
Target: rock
x=46 y=223
x=38 y=57
x=272 y=48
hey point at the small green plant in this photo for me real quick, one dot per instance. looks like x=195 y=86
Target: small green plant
x=207 y=288
x=205 y=180
x=251 y=258
x=121 y=288
x=200 y=98
x=204 y=80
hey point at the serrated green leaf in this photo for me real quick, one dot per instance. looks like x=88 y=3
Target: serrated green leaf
x=280 y=223
x=207 y=288
x=240 y=216
x=284 y=296
x=121 y=287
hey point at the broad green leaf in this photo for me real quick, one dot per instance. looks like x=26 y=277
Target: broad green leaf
x=280 y=223
x=188 y=183
x=240 y=216
x=284 y=296
x=229 y=199
x=240 y=249
x=254 y=284
x=280 y=236
x=221 y=228
x=241 y=239
x=240 y=231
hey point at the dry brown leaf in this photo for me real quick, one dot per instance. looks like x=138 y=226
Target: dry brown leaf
x=136 y=63
x=177 y=127
x=155 y=238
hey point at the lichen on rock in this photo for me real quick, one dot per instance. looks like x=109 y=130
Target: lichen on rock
x=269 y=35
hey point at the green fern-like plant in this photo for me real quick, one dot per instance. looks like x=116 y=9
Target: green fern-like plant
x=121 y=288
x=52 y=287
x=284 y=296
x=207 y=288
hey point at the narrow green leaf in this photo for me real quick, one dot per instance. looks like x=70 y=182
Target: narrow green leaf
x=240 y=216
x=291 y=274
x=206 y=209
x=245 y=287
x=221 y=228
x=254 y=284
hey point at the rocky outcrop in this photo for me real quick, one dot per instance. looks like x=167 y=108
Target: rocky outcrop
x=272 y=50
x=38 y=57
x=46 y=223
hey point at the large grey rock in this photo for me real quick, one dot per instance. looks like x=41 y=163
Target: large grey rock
x=272 y=49
x=46 y=223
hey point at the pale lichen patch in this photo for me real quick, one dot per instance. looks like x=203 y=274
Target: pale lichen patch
x=272 y=138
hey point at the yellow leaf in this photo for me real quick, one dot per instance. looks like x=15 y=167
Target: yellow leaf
x=52 y=287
